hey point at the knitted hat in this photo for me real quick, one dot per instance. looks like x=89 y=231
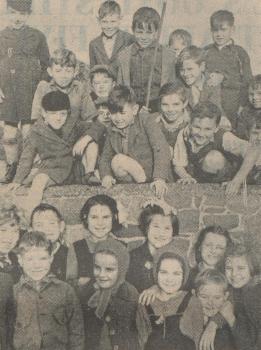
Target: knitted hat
x=20 y=5
x=56 y=101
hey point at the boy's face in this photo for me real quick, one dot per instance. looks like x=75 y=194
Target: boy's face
x=172 y=107
x=170 y=276
x=254 y=96
x=110 y=24
x=102 y=84
x=160 y=231
x=55 y=119
x=63 y=76
x=104 y=115
x=213 y=249
x=212 y=297
x=237 y=271
x=222 y=33
x=17 y=19
x=9 y=235
x=36 y=263
x=123 y=119
x=202 y=130
x=191 y=72
x=177 y=45
x=100 y=221
x=145 y=36
x=106 y=270
x=48 y=223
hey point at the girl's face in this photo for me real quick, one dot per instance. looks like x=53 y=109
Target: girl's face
x=170 y=276
x=237 y=271
x=212 y=297
x=160 y=231
x=106 y=270
x=172 y=107
x=100 y=221
x=213 y=249
x=17 y=19
x=48 y=223
x=9 y=235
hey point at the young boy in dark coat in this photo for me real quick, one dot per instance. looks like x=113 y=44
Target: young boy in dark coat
x=105 y=48
x=24 y=58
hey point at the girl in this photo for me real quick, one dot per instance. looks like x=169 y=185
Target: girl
x=113 y=318
x=167 y=311
x=160 y=226
x=208 y=251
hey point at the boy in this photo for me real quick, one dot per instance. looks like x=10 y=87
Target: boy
x=228 y=64
x=105 y=48
x=252 y=111
x=55 y=137
x=179 y=39
x=24 y=58
x=63 y=70
x=135 y=149
x=204 y=152
x=135 y=61
x=48 y=314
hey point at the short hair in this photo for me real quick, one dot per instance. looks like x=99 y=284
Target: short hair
x=55 y=101
x=255 y=82
x=9 y=212
x=210 y=276
x=197 y=54
x=181 y=34
x=217 y=230
x=206 y=110
x=63 y=58
x=109 y=7
x=221 y=16
x=101 y=69
x=240 y=250
x=148 y=16
x=100 y=199
x=43 y=207
x=33 y=239
x=176 y=88
x=118 y=97
x=147 y=214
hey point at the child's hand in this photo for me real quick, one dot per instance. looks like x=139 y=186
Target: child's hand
x=227 y=312
x=160 y=202
x=82 y=281
x=2 y=96
x=208 y=337
x=108 y=181
x=148 y=295
x=160 y=187
x=189 y=180
x=215 y=79
x=144 y=109
x=232 y=187
x=80 y=146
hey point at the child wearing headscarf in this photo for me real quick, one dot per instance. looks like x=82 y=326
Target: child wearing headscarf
x=113 y=318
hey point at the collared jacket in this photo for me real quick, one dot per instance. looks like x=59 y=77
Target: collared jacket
x=146 y=144
x=24 y=57
x=50 y=318
x=97 y=51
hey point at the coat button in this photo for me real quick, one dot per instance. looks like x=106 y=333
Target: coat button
x=107 y=319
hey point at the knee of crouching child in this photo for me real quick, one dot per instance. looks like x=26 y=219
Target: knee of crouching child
x=213 y=162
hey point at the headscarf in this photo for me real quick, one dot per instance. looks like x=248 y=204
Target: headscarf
x=101 y=298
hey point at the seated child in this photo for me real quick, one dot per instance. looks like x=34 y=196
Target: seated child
x=105 y=48
x=228 y=64
x=135 y=61
x=252 y=111
x=160 y=226
x=135 y=150
x=47 y=219
x=113 y=318
x=179 y=39
x=48 y=313
x=63 y=71
x=167 y=311
x=55 y=138
x=206 y=153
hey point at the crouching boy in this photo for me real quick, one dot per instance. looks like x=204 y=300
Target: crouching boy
x=135 y=149
x=48 y=314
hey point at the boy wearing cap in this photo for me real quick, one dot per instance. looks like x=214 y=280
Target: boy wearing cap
x=55 y=137
x=24 y=58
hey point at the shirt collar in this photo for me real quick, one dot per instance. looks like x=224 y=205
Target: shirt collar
x=184 y=118
x=27 y=281
x=136 y=48
x=229 y=43
x=73 y=84
x=123 y=132
x=200 y=84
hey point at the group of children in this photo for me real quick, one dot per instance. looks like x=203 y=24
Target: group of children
x=85 y=295
x=147 y=112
